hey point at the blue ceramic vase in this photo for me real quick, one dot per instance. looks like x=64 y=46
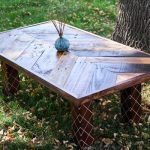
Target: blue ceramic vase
x=62 y=44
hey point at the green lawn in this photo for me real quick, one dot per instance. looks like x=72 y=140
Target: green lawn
x=36 y=118
x=97 y=16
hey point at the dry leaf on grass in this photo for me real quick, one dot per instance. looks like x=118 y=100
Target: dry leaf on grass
x=107 y=141
x=125 y=148
x=2 y=132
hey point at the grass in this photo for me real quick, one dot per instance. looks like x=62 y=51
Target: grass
x=36 y=118
x=92 y=15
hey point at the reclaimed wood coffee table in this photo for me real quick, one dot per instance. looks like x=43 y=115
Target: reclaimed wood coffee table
x=93 y=67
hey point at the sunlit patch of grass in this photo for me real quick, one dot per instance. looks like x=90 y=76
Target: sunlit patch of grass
x=95 y=16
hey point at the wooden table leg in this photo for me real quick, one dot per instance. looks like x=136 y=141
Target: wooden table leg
x=10 y=79
x=131 y=108
x=82 y=127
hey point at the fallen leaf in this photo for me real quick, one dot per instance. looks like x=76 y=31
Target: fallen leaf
x=107 y=141
x=19 y=131
x=65 y=142
x=148 y=120
x=1 y=132
x=125 y=135
x=70 y=147
x=125 y=148
x=57 y=142
x=56 y=148
x=34 y=140
x=140 y=147
x=11 y=129
x=115 y=135
x=7 y=138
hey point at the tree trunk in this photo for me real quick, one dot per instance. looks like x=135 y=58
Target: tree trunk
x=133 y=29
x=133 y=24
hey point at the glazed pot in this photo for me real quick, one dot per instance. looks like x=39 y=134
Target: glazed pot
x=62 y=44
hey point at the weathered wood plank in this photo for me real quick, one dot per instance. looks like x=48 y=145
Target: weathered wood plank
x=60 y=73
x=32 y=53
x=80 y=77
x=47 y=32
x=94 y=66
x=126 y=76
x=75 y=74
x=47 y=62
x=106 y=53
x=101 y=79
x=126 y=60
x=14 y=43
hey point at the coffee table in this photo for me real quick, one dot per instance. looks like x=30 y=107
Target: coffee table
x=93 y=67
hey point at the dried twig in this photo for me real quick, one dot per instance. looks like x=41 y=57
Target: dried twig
x=60 y=26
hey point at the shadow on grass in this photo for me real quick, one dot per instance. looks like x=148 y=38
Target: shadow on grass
x=36 y=118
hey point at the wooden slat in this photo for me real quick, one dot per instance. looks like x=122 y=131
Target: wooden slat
x=14 y=44
x=127 y=68
x=62 y=70
x=101 y=79
x=126 y=76
x=75 y=74
x=32 y=53
x=106 y=53
x=94 y=66
x=127 y=60
x=80 y=78
x=45 y=64
x=108 y=41
x=79 y=39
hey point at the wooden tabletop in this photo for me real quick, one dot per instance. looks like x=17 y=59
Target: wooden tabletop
x=93 y=67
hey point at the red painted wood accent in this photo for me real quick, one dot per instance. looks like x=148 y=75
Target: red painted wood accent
x=10 y=79
x=131 y=104
x=82 y=127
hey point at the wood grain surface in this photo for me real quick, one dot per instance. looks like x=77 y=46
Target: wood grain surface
x=93 y=67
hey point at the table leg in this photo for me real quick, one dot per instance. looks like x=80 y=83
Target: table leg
x=10 y=79
x=131 y=108
x=82 y=127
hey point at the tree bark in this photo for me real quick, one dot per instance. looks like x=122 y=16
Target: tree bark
x=133 y=29
x=133 y=24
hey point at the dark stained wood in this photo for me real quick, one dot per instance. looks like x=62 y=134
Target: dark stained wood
x=131 y=107
x=41 y=80
x=62 y=70
x=80 y=76
x=10 y=79
x=82 y=127
x=107 y=52
x=93 y=67
x=126 y=76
